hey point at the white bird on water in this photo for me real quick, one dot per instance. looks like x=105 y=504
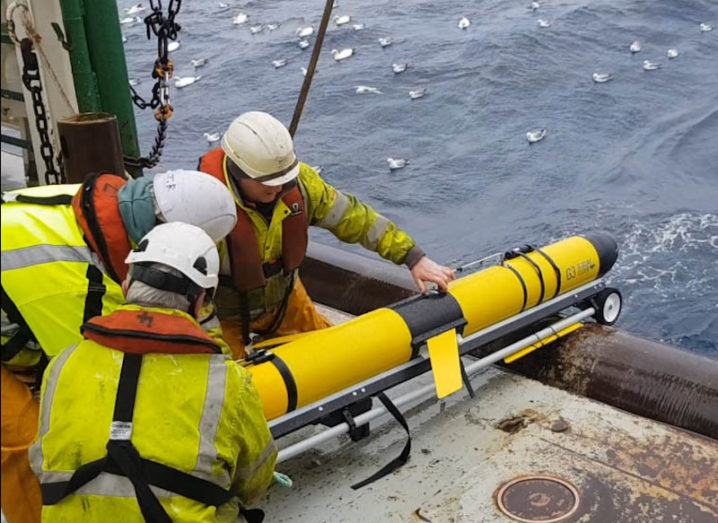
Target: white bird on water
x=211 y=137
x=173 y=46
x=397 y=163
x=199 y=62
x=602 y=78
x=417 y=93
x=137 y=8
x=650 y=66
x=184 y=81
x=343 y=54
x=272 y=27
x=464 y=23
x=255 y=29
x=635 y=47
x=128 y=20
x=386 y=41
x=543 y=23
x=240 y=18
x=223 y=5
x=342 y=19
x=124 y=39
x=279 y=63
x=706 y=27
x=536 y=135
x=303 y=44
x=399 y=68
x=305 y=31
x=672 y=53
x=535 y=6
x=365 y=89
x=134 y=81
x=358 y=27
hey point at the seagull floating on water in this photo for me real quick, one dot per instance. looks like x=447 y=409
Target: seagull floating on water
x=137 y=8
x=399 y=68
x=342 y=19
x=397 y=163
x=184 y=81
x=256 y=29
x=365 y=89
x=635 y=47
x=534 y=6
x=211 y=137
x=199 y=62
x=124 y=39
x=650 y=66
x=222 y=5
x=602 y=78
x=240 y=18
x=343 y=54
x=303 y=44
x=536 y=135
x=358 y=27
x=386 y=41
x=279 y=63
x=173 y=46
x=134 y=81
x=672 y=53
x=305 y=31
x=272 y=27
x=417 y=93
x=464 y=23
x=706 y=27
x=543 y=23
x=128 y=20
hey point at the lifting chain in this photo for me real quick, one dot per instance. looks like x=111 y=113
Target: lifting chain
x=31 y=81
x=165 y=29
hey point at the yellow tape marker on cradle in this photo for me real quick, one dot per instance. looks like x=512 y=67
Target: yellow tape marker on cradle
x=528 y=350
x=445 y=363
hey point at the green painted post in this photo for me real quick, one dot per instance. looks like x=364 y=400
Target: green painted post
x=105 y=59
x=88 y=97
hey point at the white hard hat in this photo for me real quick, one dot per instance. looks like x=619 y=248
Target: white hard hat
x=196 y=198
x=183 y=247
x=262 y=148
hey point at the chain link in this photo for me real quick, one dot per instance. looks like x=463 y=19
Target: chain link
x=31 y=81
x=165 y=29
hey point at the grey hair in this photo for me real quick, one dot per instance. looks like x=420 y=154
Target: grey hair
x=140 y=293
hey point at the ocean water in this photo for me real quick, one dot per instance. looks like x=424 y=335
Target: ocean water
x=637 y=156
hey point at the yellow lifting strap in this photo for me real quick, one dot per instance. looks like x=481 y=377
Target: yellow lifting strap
x=528 y=350
x=445 y=363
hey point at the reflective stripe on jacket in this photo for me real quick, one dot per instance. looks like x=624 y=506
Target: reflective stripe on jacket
x=342 y=214
x=196 y=413
x=49 y=272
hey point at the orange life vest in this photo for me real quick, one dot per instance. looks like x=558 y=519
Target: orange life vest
x=98 y=214
x=148 y=331
x=248 y=272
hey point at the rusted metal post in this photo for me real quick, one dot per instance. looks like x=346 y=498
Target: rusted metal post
x=90 y=142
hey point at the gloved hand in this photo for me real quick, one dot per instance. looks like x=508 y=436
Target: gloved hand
x=427 y=270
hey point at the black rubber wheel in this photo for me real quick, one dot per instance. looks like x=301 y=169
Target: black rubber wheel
x=608 y=304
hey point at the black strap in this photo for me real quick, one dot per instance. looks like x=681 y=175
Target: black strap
x=17 y=341
x=88 y=206
x=244 y=317
x=466 y=380
x=289 y=382
x=538 y=272
x=555 y=270
x=402 y=458
x=521 y=281
x=254 y=515
x=164 y=280
x=127 y=388
x=59 y=199
x=95 y=292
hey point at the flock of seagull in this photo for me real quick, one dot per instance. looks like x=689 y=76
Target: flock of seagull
x=303 y=34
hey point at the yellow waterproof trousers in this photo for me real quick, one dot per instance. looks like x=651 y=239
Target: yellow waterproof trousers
x=301 y=316
x=21 y=498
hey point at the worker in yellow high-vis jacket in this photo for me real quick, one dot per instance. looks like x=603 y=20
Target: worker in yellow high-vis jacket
x=278 y=198
x=148 y=399
x=63 y=259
